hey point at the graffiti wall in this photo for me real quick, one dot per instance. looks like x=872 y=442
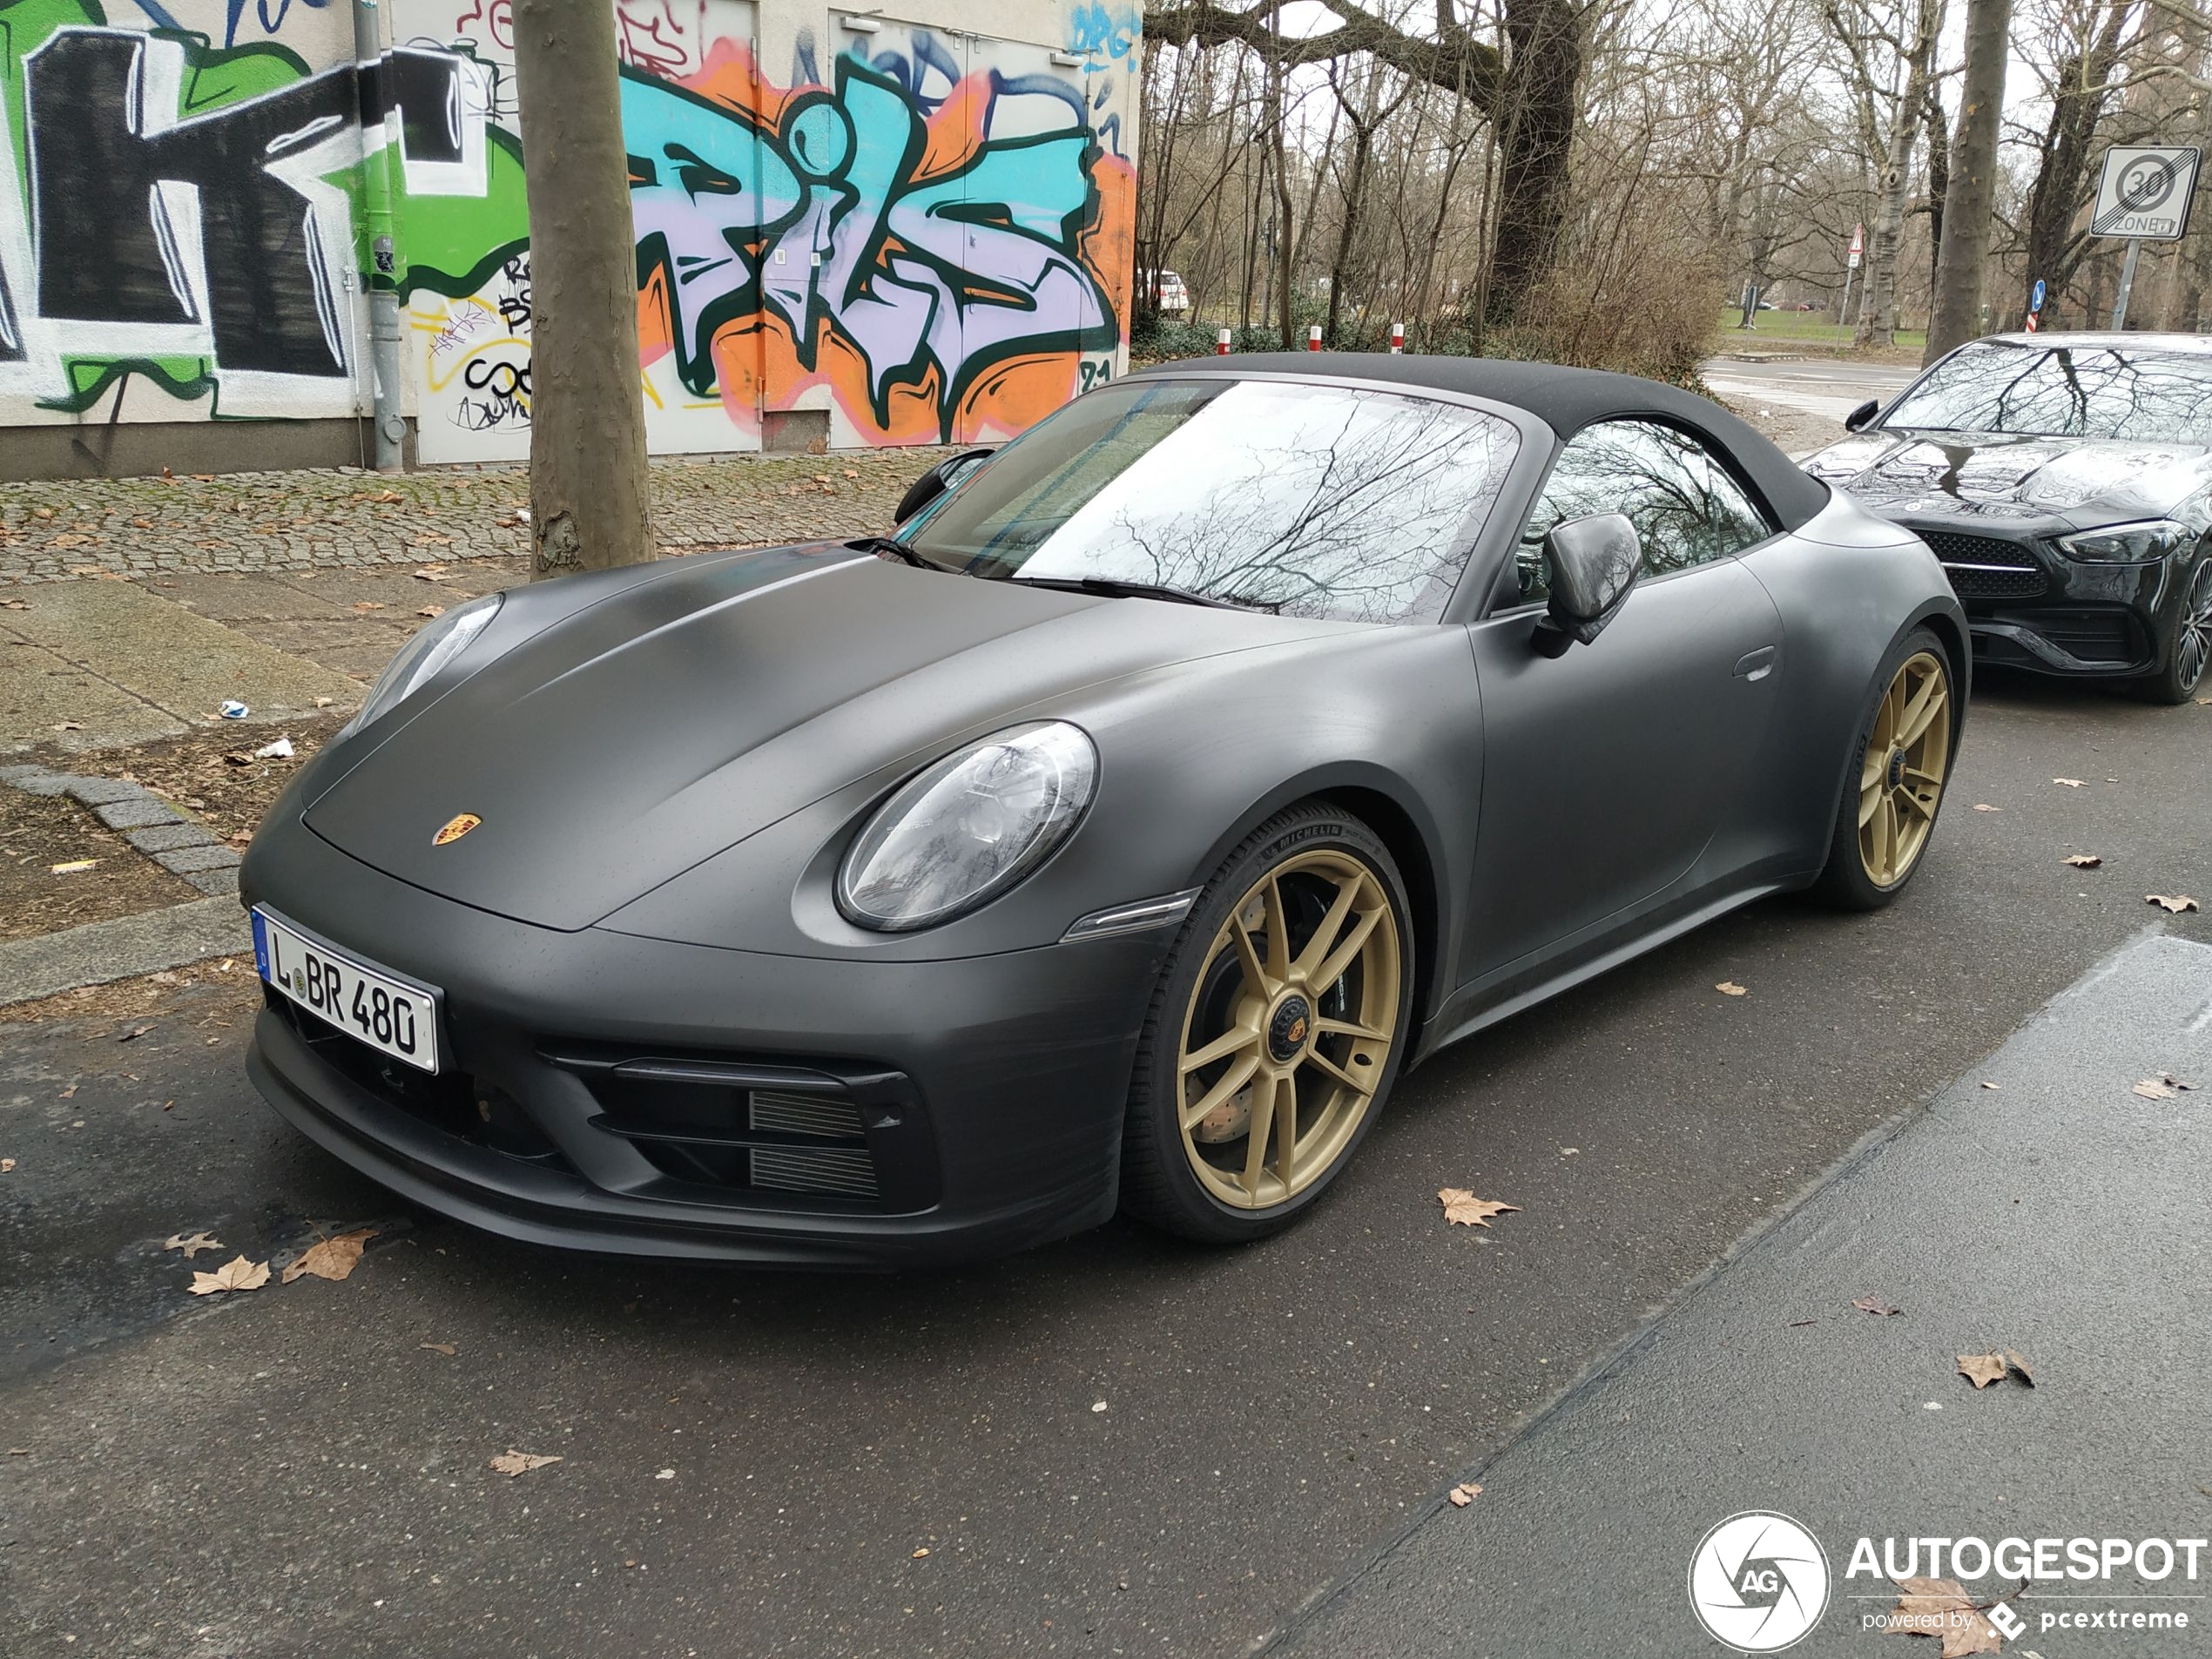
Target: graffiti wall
x=907 y=233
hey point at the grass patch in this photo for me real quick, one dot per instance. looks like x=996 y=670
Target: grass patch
x=1797 y=328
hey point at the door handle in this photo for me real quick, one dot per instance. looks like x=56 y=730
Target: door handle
x=1757 y=664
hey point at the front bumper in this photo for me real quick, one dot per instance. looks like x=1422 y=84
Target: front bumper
x=606 y=1092
x=2029 y=606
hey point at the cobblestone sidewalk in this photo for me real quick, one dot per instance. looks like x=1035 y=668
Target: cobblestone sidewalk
x=271 y=521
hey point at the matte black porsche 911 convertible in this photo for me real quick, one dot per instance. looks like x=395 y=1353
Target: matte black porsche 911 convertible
x=1116 y=834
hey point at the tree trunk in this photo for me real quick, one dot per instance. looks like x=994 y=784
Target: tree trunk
x=591 y=499
x=1535 y=135
x=2062 y=182
x=1939 y=162
x=1970 y=203
x=1878 y=313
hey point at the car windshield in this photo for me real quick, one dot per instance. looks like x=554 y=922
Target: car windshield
x=1310 y=500
x=2065 y=392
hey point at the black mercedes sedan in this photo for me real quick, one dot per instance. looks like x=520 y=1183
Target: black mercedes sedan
x=2066 y=482
x=1114 y=836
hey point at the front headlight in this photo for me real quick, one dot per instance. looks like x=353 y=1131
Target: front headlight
x=2143 y=544
x=961 y=832
x=423 y=656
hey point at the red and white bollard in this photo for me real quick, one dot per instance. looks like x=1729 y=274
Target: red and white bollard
x=1313 y=338
x=2031 y=322
x=1221 y=344
x=1397 y=338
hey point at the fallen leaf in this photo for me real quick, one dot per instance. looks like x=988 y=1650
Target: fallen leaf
x=2175 y=904
x=664 y=1474
x=238 y=757
x=2070 y=783
x=69 y=1093
x=1982 y=1369
x=431 y=610
x=2019 y=1365
x=134 y=1034
x=1874 y=1305
x=14 y=604
x=1984 y=806
x=72 y=866
x=331 y=1258
x=2165 y=1086
x=2084 y=861
x=367 y=604
x=1463 y=1495
x=1729 y=987
x=325 y=702
x=69 y=725
x=918 y=1554
x=6 y=1164
x=236 y=1274
x=514 y=1463
x=193 y=1245
x=1987 y=1084
x=1463 y=1209
x=445 y=1348
x=432 y=573
x=1937 y=1607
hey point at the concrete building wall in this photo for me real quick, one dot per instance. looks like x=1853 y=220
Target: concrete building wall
x=858 y=228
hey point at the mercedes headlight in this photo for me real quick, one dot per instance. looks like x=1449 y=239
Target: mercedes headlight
x=2143 y=544
x=963 y=830
x=423 y=656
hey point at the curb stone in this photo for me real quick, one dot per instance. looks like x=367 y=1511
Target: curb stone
x=150 y=825
x=102 y=952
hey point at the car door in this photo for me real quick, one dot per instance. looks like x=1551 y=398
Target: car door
x=1608 y=770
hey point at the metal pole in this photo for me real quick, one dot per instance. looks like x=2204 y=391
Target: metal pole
x=383 y=272
x=2126 y=282
x=1842 y=311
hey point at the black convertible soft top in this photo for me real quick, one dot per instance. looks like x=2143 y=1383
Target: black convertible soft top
x=1566 y=399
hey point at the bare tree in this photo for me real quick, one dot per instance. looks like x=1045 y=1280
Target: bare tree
x=1970 y=202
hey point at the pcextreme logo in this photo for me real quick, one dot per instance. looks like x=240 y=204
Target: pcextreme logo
x=1758 y=1581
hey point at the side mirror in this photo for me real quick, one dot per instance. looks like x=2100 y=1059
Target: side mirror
x=1595 y=561
x=935 y=483
x=1860 y=416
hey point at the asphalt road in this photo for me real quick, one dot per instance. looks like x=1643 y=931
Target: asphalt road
x=758 y=1465
x=1830 y=387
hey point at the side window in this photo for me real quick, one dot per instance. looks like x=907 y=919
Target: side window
x=1686 y=507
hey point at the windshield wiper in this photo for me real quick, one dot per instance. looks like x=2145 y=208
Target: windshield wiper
x=891 y=547
x=1116 y=588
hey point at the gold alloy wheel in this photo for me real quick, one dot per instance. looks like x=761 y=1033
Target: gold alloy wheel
x=1288 y=1028
x=1908 y=757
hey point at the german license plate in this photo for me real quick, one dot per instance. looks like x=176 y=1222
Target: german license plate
x=397 y=1020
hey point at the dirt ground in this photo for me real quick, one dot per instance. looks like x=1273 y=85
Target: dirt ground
x=38 y=833
x=214 y=775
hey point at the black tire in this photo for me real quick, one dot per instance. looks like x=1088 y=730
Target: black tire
x=1159 y=1184
x=1845 y=883
x=2189 y=652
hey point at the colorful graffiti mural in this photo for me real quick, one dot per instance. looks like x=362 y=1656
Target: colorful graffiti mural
x=929 y=241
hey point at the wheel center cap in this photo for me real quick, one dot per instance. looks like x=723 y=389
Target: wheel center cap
x=1287 y=1030
x=1896 y=767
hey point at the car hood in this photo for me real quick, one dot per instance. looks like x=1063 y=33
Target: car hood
x=1998 y=476
x=622 y=744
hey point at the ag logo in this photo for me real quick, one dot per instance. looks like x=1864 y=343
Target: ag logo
x=1758 y=1581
